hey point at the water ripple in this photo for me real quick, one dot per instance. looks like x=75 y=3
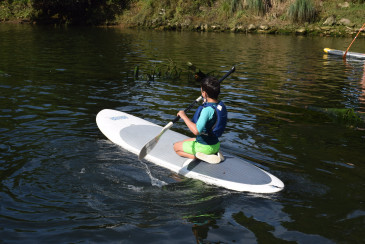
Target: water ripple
x=62 y=180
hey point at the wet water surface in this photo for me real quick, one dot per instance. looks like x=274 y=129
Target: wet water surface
x=293 y=111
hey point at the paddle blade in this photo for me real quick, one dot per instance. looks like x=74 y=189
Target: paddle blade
x=148 y=147
x=151 y=144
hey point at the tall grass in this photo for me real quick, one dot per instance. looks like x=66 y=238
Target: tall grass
x=261 y=7
x=236 y=5
x=229 y=8
x=302 y=11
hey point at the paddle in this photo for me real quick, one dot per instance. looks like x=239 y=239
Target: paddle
x=344 y=55
x=151 y=144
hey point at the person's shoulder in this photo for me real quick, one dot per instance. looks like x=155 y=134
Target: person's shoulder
x=208 y=110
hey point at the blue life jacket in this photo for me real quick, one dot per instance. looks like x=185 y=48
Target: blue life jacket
x=220 y=112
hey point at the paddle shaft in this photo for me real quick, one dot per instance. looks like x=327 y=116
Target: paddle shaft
x=200 y=98
x=344 y=56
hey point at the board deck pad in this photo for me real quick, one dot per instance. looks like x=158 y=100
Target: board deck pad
x=138 y=135
x=132 y=133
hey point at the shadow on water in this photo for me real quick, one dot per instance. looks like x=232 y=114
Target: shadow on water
x=62 y=180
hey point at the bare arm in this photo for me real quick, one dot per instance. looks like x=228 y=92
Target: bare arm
x=191 y=125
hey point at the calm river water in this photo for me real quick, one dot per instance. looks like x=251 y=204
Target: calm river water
x=62 y=181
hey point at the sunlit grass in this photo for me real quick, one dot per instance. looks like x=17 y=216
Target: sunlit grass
x=189 y=13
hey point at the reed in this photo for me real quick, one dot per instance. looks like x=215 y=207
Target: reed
x=236 y=5
x=303 y=11
x=261 y=7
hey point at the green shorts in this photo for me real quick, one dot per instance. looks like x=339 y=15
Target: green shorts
x=192 y=147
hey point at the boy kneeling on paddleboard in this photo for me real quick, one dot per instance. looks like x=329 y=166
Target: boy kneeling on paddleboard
x=208 y=124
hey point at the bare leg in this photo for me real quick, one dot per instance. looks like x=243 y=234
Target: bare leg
x=178 y=147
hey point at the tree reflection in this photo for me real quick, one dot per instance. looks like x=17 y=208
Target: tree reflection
x=202 y=223
x=362 y=96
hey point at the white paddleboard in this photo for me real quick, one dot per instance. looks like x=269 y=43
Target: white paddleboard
x=132 y=133
x=341 y=53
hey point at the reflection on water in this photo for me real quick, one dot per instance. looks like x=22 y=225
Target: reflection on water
x=61 y=179
x=362 y=96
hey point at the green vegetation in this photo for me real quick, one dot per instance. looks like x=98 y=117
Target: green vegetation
x=302 y=11
x=77 y=12
x=63 y=12
x=260 y=7
x=20 y=9
x=265 y=16
x=345 y=116
x=167 y=70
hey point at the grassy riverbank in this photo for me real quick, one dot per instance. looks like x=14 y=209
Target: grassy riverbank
x=310 y=17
